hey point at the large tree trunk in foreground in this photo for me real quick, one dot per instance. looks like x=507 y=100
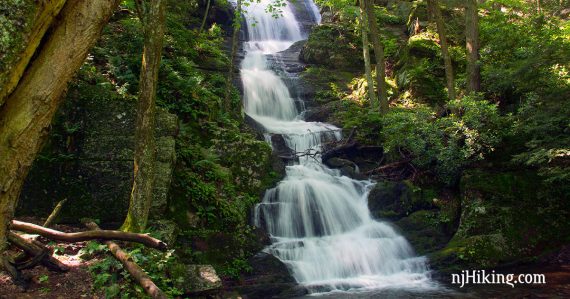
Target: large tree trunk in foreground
x=28 y=111
x=366 y=51
x=44 y=16
x=472 y=40
x=152 y=18
x=379 y=55
x=436 y=13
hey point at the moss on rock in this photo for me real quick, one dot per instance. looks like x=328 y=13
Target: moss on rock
x=333 y=46
x=394 y=200
x=502 y=220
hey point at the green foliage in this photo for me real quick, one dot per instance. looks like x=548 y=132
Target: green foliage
x=235 y=268
x=111 y=279
x=545 y=126
x=522 y=54
x=445 y=144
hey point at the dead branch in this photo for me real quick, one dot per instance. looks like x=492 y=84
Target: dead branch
x=88 y=235
x=34 y=249
x=136 y=272
x=337 y=151
x=350 y=135
x=387 y=166
x=21 y=259
x=54 y=213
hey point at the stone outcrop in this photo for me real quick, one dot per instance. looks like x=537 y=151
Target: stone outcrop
x=89 y=161
x=196 y=279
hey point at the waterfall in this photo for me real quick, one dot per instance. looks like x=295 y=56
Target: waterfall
x=319 y=222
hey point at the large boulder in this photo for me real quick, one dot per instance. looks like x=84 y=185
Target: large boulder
x=346 y=167
x=196 y=279
x=394 y=200
x=268 y=278
x=503 y=220
x=425 y=230
x=88 y=159
x=332 y=46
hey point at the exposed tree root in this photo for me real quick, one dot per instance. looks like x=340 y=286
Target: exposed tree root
x=137 y=273
x=88 y=235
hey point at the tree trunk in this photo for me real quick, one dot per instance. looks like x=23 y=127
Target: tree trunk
x=472 y=39
x=379 y=55
x=205 y=16
x=235 y=37
x=27 y=113
x=450 y=82
x=366 y=51
x=145 y=147
x=44 y=17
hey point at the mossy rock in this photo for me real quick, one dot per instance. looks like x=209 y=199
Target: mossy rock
x=425 y=230
x=502 y=220
x=333 y=46
x=480 y=251
x=394 y=200
x=421 y=46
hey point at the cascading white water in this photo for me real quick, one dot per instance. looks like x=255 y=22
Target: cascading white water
x=318 y=220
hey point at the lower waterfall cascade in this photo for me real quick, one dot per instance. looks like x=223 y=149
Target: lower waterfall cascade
x=318 y=220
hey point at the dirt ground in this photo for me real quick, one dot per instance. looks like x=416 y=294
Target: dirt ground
x=77 y=283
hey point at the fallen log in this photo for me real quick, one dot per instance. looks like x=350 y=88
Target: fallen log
x=54 y=213
x=34 y=249
x=339 y=151
x=88 y=235
x=387 y=166
x=137 y=273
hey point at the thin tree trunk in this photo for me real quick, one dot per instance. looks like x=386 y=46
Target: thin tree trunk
x=235 y=37
x=450 y=82
x=27 y=113
x=145 y=147
x=366 y=51
x=205 y=16
x=379 y=55
x=472 y=41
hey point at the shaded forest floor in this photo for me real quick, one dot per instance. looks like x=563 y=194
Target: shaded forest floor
x=76 y=283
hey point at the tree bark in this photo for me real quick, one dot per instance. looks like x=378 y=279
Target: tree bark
x=235 y=37
x=43 y=19
x=205 y=16
x=89 y=235
x=137 y=273
x=472 y=41
x=366 y=51
x=438 y=18
x=27 y=113
x=379 y=55
x=33 y=249
x=51 y=219
x=145 y=147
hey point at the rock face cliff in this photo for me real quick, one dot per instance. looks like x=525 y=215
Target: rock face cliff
x=89 y=161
